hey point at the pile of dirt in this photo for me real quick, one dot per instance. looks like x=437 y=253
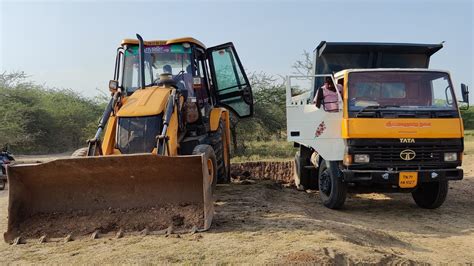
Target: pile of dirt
x=80 y=223
x=278 y=171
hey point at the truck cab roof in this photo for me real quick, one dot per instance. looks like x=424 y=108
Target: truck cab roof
x=341 y=73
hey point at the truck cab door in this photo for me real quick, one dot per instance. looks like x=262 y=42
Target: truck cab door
x=231 y=87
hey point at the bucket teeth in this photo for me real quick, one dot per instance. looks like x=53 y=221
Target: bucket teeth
x=119 y=234
x=145 y=231
x=169 y=231
x=42 y=239
x=67 y=238
x=18 y=240
x=95 y=235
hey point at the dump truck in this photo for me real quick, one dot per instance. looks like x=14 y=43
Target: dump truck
x=162 y=144
x=389 y=123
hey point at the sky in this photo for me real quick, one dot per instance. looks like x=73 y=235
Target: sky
x=72 y=44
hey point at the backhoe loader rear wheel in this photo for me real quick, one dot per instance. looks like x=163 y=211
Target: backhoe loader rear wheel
x=332 y=190
x=431 y=195
x=218 y=142
x=210 y=161
x=82 y=152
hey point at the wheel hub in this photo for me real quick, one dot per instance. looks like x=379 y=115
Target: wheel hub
x=325 y=182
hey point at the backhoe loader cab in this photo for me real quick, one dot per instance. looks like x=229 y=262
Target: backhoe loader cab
x=161 y=145
x=396 y=128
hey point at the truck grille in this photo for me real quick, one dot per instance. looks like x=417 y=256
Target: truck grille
x=386 y=152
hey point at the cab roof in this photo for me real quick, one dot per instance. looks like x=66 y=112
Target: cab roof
x=342 y=72
x=165 y=42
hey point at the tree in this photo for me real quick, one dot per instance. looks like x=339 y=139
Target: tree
x=304 y=66
x=37 y=119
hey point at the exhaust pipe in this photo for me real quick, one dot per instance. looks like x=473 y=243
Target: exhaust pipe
x=141 y=56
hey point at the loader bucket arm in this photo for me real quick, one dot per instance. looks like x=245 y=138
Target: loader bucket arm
x=128 y=192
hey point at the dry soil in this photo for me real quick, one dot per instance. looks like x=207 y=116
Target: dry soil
x=265 y=222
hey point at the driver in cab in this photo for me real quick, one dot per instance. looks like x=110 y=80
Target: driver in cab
x=327 y=96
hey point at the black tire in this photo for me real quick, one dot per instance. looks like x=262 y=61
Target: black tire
x=2 y=184
x=305 y=178
x=209 y=155
x=332 y=190
x=431 y=195
x=82 y=152
x=217 y=140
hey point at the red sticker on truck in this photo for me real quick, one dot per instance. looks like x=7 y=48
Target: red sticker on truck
x=320 y=129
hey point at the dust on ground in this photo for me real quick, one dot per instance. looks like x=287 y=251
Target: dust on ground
x=265 y=222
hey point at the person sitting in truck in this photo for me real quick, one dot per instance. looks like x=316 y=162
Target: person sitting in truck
x=327 y=96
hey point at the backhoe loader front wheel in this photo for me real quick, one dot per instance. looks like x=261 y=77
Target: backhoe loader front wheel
x=222 y=151
x=210 y=160
x=431 y=195
x=332 y=190
x=82 y=152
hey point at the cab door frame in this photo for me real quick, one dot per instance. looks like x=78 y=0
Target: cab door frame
x=245 y=93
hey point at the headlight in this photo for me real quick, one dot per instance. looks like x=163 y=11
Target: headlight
x=450 y=156
x=361 y=158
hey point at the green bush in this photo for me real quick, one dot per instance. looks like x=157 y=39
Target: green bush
x=468 y=118
x=35 y=119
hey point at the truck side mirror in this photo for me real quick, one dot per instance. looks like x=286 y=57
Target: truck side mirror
x=465 y=93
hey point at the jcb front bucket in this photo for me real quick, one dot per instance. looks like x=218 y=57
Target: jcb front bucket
x=107 y=193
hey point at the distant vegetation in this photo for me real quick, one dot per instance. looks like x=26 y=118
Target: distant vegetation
x=468 y=118
x=36 y=119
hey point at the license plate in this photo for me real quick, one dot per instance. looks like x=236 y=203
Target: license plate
x=408 y=179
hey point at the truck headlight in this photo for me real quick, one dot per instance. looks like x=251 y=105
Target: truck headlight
x=450 y=156
x=361 y=158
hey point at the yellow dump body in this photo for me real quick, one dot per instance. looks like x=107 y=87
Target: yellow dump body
x=130 y=192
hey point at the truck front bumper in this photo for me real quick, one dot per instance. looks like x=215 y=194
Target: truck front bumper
x=392 y=177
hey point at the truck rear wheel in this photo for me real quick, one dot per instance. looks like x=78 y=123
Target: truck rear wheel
x=305 y=178
x=431 y=195
x=209 y=159
x=332 y=190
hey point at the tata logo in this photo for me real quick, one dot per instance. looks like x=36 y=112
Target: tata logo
x=407 y=140
x=407 y=155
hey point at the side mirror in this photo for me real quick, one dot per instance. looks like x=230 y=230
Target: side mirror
x=465 y=93
x=113 y=85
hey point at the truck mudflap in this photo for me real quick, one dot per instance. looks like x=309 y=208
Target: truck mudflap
x=392 y=177
x=126 y=193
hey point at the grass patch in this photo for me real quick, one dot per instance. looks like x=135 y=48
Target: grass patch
x=266 y=151
x=469 y=141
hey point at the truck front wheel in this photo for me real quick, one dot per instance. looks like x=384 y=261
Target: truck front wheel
x=431 y=195
x=331 y=188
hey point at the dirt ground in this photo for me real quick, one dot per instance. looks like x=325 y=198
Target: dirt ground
x=264 y=222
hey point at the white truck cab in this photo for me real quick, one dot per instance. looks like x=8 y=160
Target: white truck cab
x=397 y=126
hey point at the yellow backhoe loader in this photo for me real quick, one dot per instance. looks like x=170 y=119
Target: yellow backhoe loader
x=161 y=146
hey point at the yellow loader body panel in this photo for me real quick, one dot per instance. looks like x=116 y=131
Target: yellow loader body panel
x=108 y=193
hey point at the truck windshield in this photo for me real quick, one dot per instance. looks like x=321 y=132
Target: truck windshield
x=400 y=90
x=173 y=59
